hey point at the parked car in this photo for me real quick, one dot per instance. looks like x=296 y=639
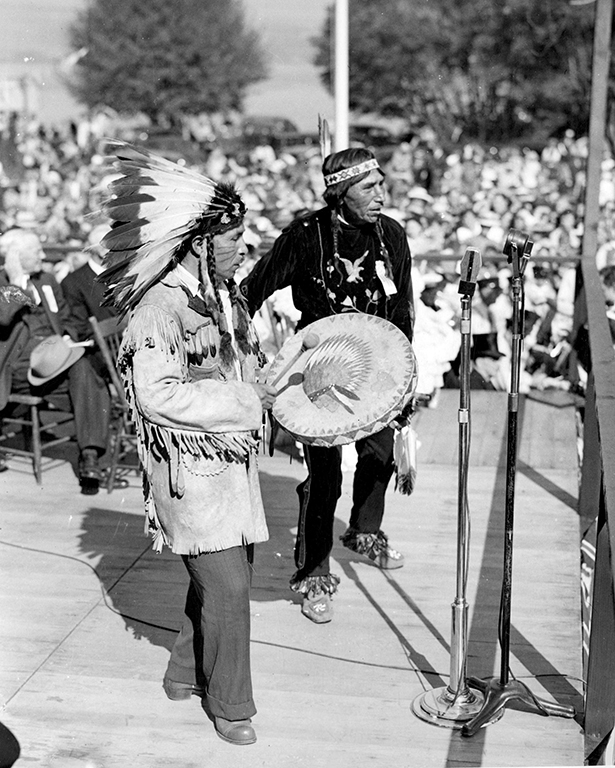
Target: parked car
x=378 y=137
x=372 y=135
x=278 y=132
x=174 y=147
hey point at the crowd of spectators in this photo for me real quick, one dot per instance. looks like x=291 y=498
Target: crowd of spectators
x=446 y=200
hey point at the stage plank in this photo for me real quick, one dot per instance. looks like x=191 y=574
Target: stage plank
x=89 y=614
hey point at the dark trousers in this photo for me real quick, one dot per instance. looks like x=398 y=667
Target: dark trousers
x=80 y=390
x=318 y=496
x=213 y=648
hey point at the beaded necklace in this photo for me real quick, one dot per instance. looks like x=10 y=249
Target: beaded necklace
x=383 y=252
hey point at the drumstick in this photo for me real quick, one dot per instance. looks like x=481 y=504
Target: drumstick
x=310 y=340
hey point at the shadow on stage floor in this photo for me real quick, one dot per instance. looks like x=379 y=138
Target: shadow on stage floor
x=148 y=589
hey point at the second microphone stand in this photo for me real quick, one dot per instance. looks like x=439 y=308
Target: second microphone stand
x=499 y=692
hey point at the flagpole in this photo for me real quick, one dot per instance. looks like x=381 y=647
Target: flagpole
x=341 y=75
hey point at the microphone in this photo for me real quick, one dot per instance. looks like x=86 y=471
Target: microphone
x=518 y=249
x=470 y=264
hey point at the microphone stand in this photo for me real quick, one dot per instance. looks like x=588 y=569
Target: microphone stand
x=499 y=692
x=453 y=705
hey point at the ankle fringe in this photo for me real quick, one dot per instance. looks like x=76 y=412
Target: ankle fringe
x=311 y=586
x=364 y=543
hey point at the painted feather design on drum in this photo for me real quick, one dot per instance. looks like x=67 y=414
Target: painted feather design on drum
x=335 y=371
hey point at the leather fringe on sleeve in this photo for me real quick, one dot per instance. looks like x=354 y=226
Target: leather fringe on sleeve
x=153 y=327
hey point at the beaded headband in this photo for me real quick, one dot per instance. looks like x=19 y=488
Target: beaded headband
x=349 y=173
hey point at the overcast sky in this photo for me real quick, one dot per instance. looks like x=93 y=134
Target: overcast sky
x=33 y=33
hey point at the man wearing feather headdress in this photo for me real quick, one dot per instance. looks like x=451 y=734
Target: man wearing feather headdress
x=189 y=360
x=346 y=257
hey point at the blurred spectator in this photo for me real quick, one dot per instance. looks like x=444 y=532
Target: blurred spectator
x=469 y=228
x=399 y=169
x=561 y=325
x=581 y=341
x=487 y=315
x=607 y=277
x=61 y=374
x=418 y=203
x=83 y=294
x=540 y=297
x=418 y=236
x=53 y=184
x=487 y=365
x=436 y=343
x=605 y=255
x=565 y=238
x=486 y=370
x=492 y=232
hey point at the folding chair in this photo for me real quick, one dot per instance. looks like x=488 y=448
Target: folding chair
x=122 y=442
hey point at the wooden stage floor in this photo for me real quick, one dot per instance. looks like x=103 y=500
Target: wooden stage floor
x=88 y=614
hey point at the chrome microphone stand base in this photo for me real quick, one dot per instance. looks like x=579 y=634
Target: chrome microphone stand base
x=446 y=709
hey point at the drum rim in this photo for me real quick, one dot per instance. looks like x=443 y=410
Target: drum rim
x=368 y=428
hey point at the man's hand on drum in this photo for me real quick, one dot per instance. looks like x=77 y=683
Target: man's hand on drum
x=267 y=395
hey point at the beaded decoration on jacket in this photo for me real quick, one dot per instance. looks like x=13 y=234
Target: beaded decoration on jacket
x=353 y=289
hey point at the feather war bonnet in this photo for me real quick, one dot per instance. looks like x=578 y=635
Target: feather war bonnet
x=156 y=207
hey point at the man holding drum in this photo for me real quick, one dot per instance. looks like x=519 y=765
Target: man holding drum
x=346 y=257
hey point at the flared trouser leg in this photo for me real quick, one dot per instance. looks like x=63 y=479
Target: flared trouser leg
x=213 y=646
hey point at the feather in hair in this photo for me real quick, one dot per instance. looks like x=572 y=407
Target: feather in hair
x=324 y=136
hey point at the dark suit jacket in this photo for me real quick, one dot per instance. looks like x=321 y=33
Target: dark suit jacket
x=84 y=297
x=22 y=327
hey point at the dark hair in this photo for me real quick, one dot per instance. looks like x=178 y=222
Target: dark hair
x=607 y=276
x=339 y=161
x=563 y=213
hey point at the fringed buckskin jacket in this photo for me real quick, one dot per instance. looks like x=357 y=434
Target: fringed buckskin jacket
x=197 y=420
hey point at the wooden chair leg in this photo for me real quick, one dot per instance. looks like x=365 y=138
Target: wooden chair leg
x=37 y=453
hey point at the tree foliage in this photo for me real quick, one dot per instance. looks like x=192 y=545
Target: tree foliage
x=487 y=71
x=165 y=58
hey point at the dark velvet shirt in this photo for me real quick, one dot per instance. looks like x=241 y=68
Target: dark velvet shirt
x=322 y=284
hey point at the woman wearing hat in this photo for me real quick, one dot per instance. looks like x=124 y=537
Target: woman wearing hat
x=189 y=361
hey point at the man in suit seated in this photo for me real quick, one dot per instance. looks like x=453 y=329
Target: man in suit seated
x=487 y=367
x=84 y=296
x=57 y=371
x=83 y=293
